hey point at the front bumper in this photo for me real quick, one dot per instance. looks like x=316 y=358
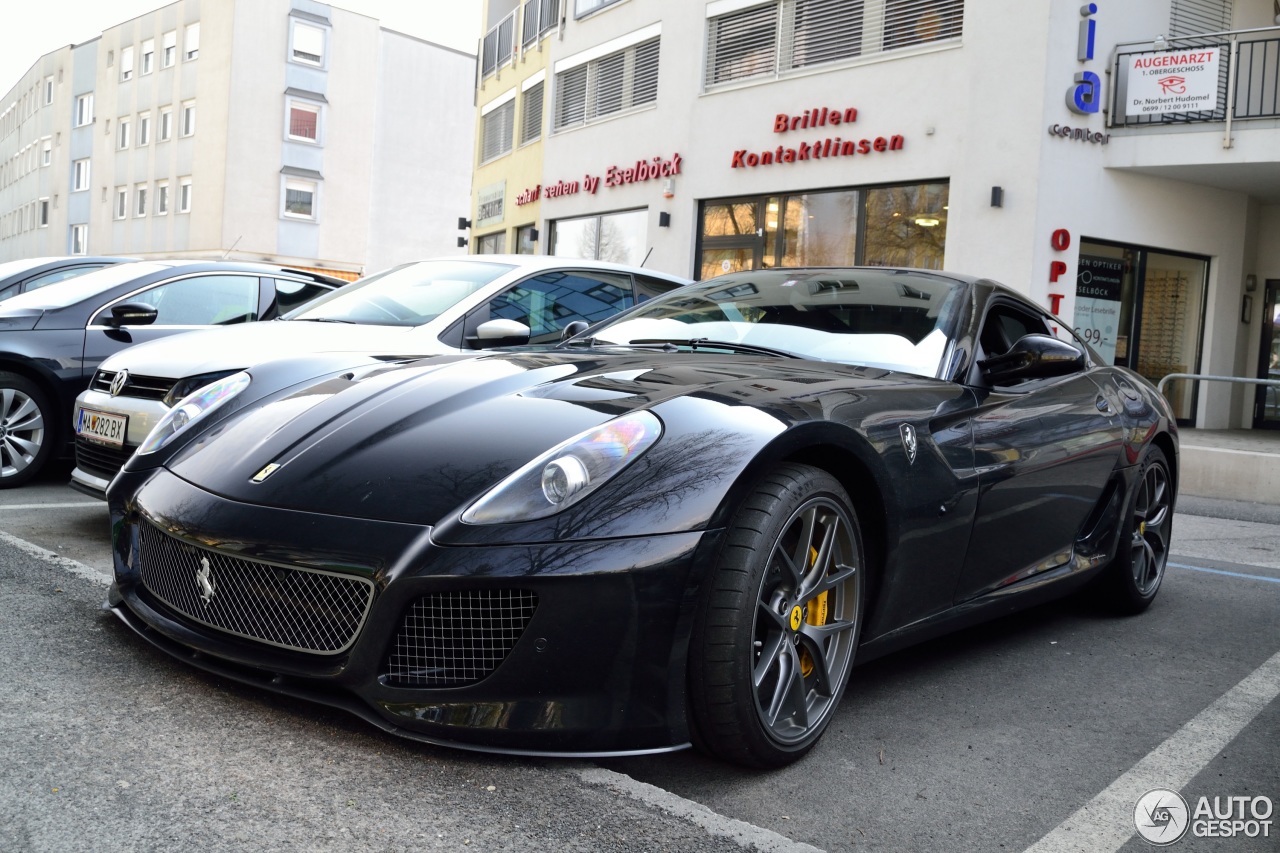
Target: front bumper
x=599 y=669
x=97 y=464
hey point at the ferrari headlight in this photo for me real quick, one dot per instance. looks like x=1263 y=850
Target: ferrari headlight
x=192 y=408
x=566 y=474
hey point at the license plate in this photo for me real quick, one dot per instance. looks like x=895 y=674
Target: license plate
x=101 y=427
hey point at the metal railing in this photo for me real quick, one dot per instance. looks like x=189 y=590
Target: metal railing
x=1239 y=380
x=538 y=17
x=498 y=45
x=1248 y=81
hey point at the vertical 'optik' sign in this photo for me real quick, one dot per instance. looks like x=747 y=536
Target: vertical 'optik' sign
x=1086 y=95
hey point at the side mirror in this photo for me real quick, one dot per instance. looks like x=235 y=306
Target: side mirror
x=500 y=333
x=1033 y=357
x=131 y=314
x=574 y=328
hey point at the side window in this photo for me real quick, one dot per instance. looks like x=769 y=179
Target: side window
x=647 y=288
x=207 y=300
x=292 y=294
x=11 y=290
x=1005 y=325
x=60 y=275
x=549 y=302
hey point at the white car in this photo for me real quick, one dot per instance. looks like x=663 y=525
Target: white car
x=447 y=305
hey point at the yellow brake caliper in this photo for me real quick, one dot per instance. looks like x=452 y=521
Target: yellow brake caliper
x=815 y=613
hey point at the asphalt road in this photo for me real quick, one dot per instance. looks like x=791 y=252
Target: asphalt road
x=1039 y=731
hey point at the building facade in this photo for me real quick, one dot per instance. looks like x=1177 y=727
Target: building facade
x=1045 y=145
x=280 y=130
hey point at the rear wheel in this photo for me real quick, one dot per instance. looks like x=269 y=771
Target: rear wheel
x=1134 y=576
x=26 y=429
x=779 y=621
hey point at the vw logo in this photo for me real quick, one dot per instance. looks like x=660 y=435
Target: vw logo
x=204 y=581
x=118 y=382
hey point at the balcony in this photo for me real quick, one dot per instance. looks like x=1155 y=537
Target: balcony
x=1202 y=109
x=500 y=45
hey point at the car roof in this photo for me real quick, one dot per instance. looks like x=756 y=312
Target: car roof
x=538 y=262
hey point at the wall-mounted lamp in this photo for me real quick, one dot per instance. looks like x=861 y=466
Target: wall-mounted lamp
x=462 y=242
x=997 y=196
x=463 y=223
x=1160 y=42
x=664 y=219
x=533 y=235
x=1250 y=283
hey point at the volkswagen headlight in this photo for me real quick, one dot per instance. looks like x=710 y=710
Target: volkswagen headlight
x=193 y=408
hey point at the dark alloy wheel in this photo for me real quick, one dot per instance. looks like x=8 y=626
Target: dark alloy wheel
x=779 y=621
x=1143 y=551
x=25 y=430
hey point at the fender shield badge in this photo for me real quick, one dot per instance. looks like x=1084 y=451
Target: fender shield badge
x=909 y=442
x=265 y=473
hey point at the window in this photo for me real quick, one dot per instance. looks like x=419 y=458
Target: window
x=191 y=42
x=496 y=129
x=126 y=63
x=608 y=85
x=169 y=49
x=148 y=56
x=140 y=193
x=582 y=7
x=43 y=220
x=184 y=195
x=166 y=123
x=79 y=239
x=299 y=199
x=308 y=44
x=526 y=240
x=80 y=175
x=531 y=114
x=122 y=133
x=291 y=294
x=205 y=300
x=122 y=202
x=84 y=110
x=492 y=244
x=619 y=237
x=48 y=91
x=162 y=198
x=549 y=302
x=785 y=35
x=304 y=121
x=188 y=125
x=144 y=129
x=46 y=153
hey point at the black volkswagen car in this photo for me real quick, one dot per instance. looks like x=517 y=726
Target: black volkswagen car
x=53 y=338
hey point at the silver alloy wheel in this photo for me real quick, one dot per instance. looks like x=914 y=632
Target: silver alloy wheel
x=22 y=431
x=1149 y=548
x=806 y=625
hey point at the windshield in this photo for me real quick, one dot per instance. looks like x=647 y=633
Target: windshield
x=894 y=319
x=407 y=295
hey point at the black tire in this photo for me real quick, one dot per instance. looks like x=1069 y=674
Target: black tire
x=26 y=429
x=1133 y=578
x=778 y=621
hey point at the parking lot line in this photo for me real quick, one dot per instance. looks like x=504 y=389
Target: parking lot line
x=79 y=569
x=68 y=505
x=747 y=835
x=1223 y=572
x=1105 y=823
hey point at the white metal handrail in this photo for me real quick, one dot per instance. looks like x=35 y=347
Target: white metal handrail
x=1242 y=380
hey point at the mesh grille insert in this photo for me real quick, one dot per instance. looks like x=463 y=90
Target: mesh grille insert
x=449 y=639
x=304 y=610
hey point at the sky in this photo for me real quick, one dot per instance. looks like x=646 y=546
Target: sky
x=36 y=28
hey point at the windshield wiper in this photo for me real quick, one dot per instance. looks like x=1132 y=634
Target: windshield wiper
x=592 y=343
x=324 y=320
x=708 y=343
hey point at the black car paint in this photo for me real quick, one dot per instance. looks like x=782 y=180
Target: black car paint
x=998 y=474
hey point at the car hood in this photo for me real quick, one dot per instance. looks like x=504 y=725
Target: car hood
x=416 y=442
x=238 y=347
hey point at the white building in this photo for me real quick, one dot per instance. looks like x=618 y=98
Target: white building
x=281 y=130
x=1045 y=145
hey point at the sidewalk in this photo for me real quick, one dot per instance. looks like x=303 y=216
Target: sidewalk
x=1231 y=464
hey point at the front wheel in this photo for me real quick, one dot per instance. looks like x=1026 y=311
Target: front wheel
x=26 y=429
x=1133 y=578
x=778 y=622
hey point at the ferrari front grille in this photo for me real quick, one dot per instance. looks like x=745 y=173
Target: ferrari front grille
x=451 y=639
x=305 y=610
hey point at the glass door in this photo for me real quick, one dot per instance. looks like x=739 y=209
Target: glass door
x=1267 y=411
x=736 y=234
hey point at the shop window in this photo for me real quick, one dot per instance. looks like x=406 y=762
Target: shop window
x=819 y=229
x=906 y=226
x=622 y=81
x=496 y=130
x=618 y=237
x=526 y=240
x=492 y=244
